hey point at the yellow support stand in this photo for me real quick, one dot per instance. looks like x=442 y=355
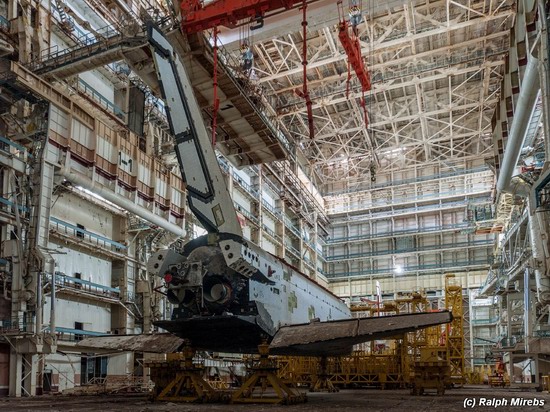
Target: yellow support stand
x=264 y=386
x=179 y=380
x=321 y=381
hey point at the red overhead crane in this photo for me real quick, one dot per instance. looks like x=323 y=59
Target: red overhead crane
x=197 y=17
x=352 y=48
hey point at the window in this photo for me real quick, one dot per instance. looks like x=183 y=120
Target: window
x=80 y=233
x=78 y=326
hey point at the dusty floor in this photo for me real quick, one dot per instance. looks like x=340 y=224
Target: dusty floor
x=345 y=400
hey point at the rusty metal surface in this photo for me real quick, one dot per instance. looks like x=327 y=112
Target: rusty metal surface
x=337 y=337
x=157 y=343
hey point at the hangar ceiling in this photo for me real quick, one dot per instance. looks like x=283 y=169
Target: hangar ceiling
x=435 y=66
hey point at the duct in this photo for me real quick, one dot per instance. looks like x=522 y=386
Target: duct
x=524 y=109
x=52 y=304
x=49 y=269
x=519 y=187
x=539 y=261
x=122 y=202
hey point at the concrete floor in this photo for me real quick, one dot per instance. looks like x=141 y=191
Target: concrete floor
x=345 y=400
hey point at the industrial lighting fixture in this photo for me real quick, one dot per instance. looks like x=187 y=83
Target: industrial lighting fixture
x=398 y=270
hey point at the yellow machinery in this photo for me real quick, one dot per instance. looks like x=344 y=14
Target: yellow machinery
x=431 y=358
x=499 y=378
x=455 y=329
x=360 y=368
x=431 y=370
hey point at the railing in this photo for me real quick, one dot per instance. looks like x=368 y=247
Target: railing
x=68 y=229
x=57 y=55
x=410 y=250
x=271 y=233
x=292 y=249
x=255 y=194
x=417 y=179
x=407 y=269
x=240 y=209
x=17 y=325
x=74 y=335
x=392 y=200
x=484 y=342
x=542 y=333
x=99 y=98
x=392 y=233
x=271 y=209
x=288 y=223
x=510 y=342
x=4 y=24
x=129 y=297
x=82 y=285
x=7 y=202
x=491 y=276
x=5 y=145
x=486 y=321
x=309 y=262
x=228 y=63
x=411 y=210
x=249 y=189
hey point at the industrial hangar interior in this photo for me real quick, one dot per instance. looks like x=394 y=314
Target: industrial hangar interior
x=374 y=214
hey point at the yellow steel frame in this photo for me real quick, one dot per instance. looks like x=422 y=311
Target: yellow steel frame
x=455 y=330
x=400 y=365
x=361 y=368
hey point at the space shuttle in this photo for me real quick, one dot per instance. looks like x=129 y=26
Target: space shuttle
x=229 y=295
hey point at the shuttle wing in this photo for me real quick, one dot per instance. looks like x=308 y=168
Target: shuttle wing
x=156 y=343
x=332 y=338
x=335 y=338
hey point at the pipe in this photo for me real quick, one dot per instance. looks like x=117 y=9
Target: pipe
x=539 y=264
x=519 y=187
x=39 y=307
x=120 y=201
x=524 y=108
x=48 y=267
x=52 y=306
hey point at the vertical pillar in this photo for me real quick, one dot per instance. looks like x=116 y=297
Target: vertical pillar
x=545 y=74
x=16 y=373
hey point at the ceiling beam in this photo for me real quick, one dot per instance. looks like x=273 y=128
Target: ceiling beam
x=393 y=43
